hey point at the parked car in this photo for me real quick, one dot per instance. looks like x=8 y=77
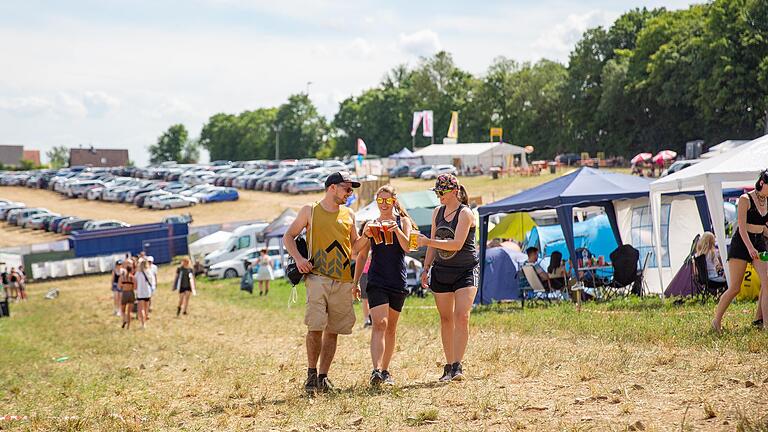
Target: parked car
x=56 y=223
x=24 y=218
x=399 y=171
x=4 y=211
x=50 y=224
x=166 y=202
x=306 y=186
x=437 y=170
x=74 y=225
x=104 y=224
x=187 y=218
x=16 y=215
x=416 y=171
x=217 y=194
x=242 y=238
x=680 y=165
x=38 y=221
x=235 y=267
x=80 y=188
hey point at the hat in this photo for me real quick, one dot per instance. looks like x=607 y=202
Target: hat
x=340 y=177
x=119 y=261
x=150 y=258
x=445 y=182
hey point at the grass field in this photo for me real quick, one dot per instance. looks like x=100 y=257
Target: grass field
x=237 y=362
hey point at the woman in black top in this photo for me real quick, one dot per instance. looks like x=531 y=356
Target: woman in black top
x=747 y=243
x=185 y=284
x=386 y=279
x=454 y=276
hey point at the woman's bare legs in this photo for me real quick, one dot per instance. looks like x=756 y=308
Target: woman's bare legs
x=736 y=269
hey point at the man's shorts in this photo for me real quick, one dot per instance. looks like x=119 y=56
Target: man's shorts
x=329 y=305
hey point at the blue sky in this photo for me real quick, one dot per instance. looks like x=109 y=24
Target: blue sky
x=117 y=73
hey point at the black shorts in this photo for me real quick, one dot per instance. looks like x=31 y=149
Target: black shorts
x=739 y=250
x=378 y=296
x=185 y=289
x=364 y=286
x=146 y=299
x=447 y=279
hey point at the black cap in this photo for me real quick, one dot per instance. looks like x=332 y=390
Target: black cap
x=531 y=249
x=340 y=177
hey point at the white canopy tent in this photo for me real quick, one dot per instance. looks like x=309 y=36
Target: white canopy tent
x=736 y=168
x=209 y=243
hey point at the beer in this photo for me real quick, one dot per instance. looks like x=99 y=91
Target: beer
x=389 y=231
x=375 y=228
x=413 y=241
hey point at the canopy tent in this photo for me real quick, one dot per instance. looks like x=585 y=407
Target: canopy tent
x=403 y=154
x=209 y=243
x=514 y=226
x=733 y=169
x=472 y=154
x=581 y=188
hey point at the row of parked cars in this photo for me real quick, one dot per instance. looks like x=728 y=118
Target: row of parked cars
x=18 y=214
x=424 y=172
x=102 y=184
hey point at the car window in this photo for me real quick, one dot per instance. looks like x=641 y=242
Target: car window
x=243 y=242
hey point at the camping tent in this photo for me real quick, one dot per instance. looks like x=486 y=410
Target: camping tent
x=402 y=154
x=209 y=243
x=594 y=234
x=736 y=168
x=514 y=226
x=500 y=267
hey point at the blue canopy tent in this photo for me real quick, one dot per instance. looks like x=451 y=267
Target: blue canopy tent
x=581 y=188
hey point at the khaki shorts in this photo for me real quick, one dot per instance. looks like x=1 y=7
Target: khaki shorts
x=329 y=305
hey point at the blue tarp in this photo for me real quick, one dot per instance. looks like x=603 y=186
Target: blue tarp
x=500 y=271
x=594 y=234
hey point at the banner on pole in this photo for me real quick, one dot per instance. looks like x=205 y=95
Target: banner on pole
x=362 y=149
x=416 y=121
x=427 y=126
x=453 y=128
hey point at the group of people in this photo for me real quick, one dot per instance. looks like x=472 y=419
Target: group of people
x=134 y=282
x=14 y=283
x=450 y=271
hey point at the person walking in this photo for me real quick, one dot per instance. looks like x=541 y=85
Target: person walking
x=331 y=289
x=265 y=272
x=22 y=283
x=117 y=293
x=153 y=269
x=184 y=284
x=144 y=282
x=127 y=283
x=13 y=279
x=747 y=243
x=453 y=278
x=387 y=287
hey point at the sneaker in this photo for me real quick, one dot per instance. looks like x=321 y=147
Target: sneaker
x=388 y=380
x=457 y=374
x=310 y=385
x=376 y=378
x=447 y=373
x=757 y=323
x=325 y=385
x=368 y=322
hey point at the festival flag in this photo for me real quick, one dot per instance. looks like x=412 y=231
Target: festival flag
x=453 y=128
x=361 y=147
x=416 y=121
x=427 y=127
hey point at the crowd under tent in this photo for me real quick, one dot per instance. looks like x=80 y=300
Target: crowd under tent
x=737 y=168
x=470 y=155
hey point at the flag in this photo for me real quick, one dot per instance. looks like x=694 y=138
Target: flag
x=361 y=147
x=416 y=121
x=453 y=128
x=427 y=128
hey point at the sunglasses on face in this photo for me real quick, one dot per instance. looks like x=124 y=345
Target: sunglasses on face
x=443 y=192
x=389 y=201
x=347 y=189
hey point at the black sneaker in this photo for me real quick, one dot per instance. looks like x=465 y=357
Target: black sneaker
x=447 y=373
x=388 y=380
x=325 y=385
x=457 y=374
x=376 y=378
x=757 y=323
x=310 y=385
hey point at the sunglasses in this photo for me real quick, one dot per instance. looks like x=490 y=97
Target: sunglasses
x=443 y=192
x=389 y=201
x=347 y=189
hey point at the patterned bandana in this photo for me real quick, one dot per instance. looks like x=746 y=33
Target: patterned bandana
x=445 y=182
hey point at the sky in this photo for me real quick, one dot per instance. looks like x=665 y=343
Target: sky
x=117 y=74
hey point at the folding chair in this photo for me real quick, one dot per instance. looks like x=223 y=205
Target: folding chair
x=536 y=286
x=705 y=287
x=625 y=260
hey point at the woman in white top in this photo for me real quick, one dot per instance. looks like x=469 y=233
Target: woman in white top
x=265 y=273
x=706 y=246
x=145 y=282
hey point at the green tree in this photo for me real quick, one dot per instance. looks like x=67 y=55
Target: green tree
x=190 y=153
x=301 y=128
x=58 y=157
x=169 y=145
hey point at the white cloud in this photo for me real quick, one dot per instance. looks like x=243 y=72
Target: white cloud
x=562 y=38
x=359 y=49
x=26 y=106
x=420 y=43
x=99 y=103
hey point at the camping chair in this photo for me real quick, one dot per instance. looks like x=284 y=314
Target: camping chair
x=625 y=260
x=705 y=287
x=535 y=286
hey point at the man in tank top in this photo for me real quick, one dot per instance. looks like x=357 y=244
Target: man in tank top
x=332 y=241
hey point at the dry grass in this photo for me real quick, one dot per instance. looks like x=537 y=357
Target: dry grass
x=237 y=362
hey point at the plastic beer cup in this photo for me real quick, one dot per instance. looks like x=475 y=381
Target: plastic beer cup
x=413 y=241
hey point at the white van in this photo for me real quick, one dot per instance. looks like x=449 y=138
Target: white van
x=242 y=238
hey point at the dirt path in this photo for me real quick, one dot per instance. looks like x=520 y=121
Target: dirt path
x=237 y=363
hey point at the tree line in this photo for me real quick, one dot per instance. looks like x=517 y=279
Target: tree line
x=652 y=80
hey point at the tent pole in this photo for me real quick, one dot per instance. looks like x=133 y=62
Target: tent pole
x=655 y=202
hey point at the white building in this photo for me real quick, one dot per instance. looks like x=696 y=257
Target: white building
x=473 y=154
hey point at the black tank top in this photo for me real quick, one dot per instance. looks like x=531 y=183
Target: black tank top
x=466 y=257
x=388 y=265
x=753 y=214
x=115 y=277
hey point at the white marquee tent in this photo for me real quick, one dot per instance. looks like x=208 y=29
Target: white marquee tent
x=471 y=154
x=736 y=168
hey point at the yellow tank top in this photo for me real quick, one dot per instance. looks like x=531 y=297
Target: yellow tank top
x=331 y=247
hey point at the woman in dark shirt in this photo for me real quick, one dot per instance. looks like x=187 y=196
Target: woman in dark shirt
x=386 y=279
x=185 y=284
x=127 y=283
